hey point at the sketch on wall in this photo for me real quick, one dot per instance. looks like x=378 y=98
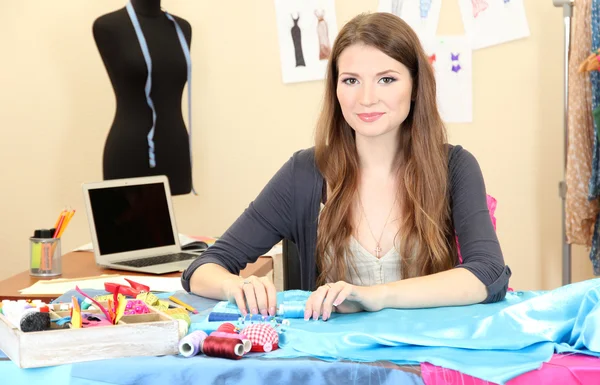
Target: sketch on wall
x=450 y=57
x=306 y=31
x=422 y=15
x=491 y=22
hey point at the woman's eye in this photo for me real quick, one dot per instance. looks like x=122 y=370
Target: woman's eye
x=350 y=81
x=387 y=80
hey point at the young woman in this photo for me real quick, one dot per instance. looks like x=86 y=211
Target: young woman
x=375 y=206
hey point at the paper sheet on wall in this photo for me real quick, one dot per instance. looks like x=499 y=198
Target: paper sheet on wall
x=451 y=59
x=422 y=15
x=61 y=285
x=491 y=22
x=306 y=29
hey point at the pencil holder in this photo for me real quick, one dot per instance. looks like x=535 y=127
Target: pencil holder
x=45 y=258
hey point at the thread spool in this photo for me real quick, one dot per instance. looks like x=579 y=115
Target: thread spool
x=218 y=317
x=34 y=321
x=246 y=343
x=222 y=347
x=183 y=328
x=227 y=327
x=191 y=344
x=292 y=309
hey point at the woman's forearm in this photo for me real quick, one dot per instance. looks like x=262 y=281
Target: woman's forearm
x=449 y=288
x=209 y=281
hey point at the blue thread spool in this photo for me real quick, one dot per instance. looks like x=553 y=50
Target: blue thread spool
x=218 y=317
x=292 y=309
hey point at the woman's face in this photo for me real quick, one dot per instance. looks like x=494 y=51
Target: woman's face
x=374 y=91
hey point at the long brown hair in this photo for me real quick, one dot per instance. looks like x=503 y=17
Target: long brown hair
x=426 y=231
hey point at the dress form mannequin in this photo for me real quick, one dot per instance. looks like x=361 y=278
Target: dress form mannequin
x=126 y=152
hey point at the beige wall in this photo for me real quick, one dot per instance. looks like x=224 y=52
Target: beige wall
x=57 y=105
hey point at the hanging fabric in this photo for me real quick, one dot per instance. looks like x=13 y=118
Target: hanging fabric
x=580 y=213
x=594 y=184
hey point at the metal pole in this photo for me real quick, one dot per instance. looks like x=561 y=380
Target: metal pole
x=567 y=6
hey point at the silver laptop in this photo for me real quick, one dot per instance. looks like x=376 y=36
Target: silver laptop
x=133 y=227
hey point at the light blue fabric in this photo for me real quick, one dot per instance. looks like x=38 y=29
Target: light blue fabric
x=495 y=342
x=203 y=370
x=11 y=374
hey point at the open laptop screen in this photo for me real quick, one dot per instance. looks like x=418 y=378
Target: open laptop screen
x=129 y=218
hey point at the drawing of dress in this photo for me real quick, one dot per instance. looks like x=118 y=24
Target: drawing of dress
x=479 y=6
x=297 y=38
x=397 y=7
x=455 y=63
x=432 y=59
x=424 y=6
x=323 y=32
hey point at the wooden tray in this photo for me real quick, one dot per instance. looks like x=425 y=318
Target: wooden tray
x=152 y=334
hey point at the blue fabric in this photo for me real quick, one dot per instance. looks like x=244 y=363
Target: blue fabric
x=495 y=342
x=208 y=370
x=594 y=184
x=203 y=370
x=13 y=375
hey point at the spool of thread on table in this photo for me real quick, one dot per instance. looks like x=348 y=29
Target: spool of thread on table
x=222 y=347
x=292 y=309
x=218 y=317
x=184 y=317
x=191 y=344
x=246 y=343
x=183 y=328
x=226 y=327
x=34 y=321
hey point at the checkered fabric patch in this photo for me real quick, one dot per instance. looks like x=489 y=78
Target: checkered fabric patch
x=263 y=336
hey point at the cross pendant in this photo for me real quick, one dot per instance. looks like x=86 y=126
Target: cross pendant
x=377 y=251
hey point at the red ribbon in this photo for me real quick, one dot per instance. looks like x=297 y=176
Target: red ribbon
x=130 y=291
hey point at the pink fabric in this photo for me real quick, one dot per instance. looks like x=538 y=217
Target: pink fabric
x=562 y=369
x=491 y=203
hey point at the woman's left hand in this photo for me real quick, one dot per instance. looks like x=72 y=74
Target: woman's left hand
x=341 y=297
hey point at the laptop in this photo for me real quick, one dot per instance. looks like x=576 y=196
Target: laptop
x=133 y=227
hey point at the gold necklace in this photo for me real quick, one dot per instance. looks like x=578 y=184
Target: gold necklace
x=378 y=248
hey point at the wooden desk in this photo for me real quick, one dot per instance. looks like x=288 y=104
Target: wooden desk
x=82 y=264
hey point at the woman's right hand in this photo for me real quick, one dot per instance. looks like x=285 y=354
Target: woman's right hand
x=252 y=295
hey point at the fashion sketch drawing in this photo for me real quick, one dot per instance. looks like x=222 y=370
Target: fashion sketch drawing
x=297 y=38
x=323 y=33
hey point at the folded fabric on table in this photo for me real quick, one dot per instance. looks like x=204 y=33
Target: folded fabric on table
x=494 y=342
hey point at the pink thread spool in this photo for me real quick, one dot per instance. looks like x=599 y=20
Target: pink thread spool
x=245 y=342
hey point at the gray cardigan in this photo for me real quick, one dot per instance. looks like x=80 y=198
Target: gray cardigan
x=288 y=207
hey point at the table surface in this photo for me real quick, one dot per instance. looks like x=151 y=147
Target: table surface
x=81 y=264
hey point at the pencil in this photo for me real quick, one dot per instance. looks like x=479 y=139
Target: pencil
x=61 y=220
x=185 y=305
x=66 y=223
x=58 y=219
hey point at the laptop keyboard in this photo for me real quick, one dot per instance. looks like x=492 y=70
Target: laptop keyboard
x=159 y=260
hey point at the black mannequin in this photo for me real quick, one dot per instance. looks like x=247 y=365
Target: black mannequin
x=126 y=148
